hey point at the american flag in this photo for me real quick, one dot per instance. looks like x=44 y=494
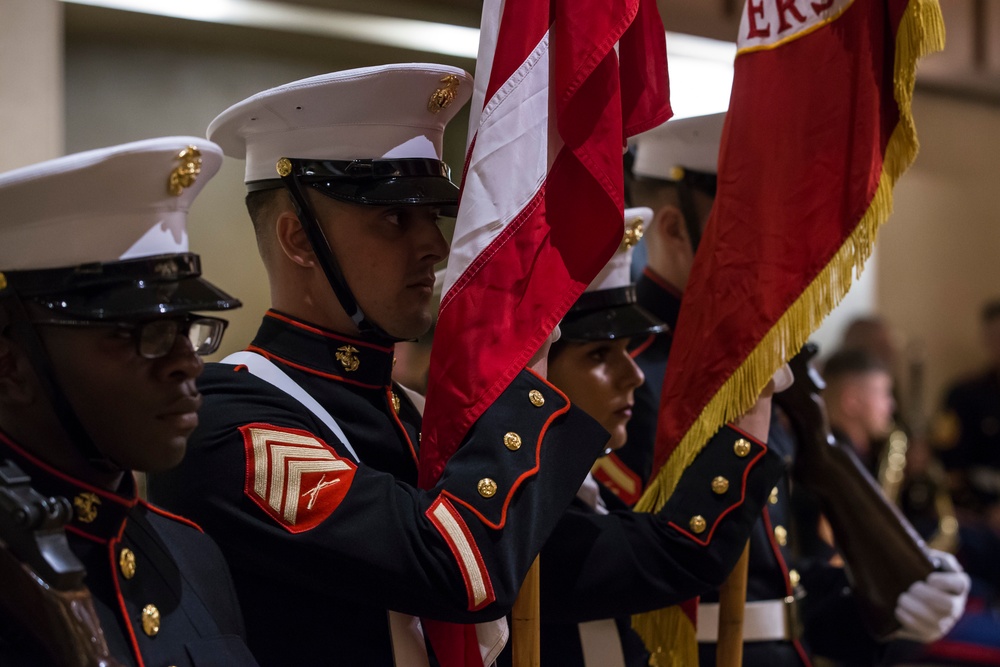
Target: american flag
x=560 y=85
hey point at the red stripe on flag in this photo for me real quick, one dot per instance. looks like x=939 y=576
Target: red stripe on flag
x=523 y=25
x=562 y=238
x=511 y=295
x=543 y=254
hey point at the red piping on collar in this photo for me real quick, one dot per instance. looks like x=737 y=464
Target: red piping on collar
x=662 y=282
x=103 y=493
x=322 y=332
x=642 y=347
x=311 y=371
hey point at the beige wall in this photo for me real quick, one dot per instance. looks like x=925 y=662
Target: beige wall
x=939 y=254
x=156 y=77
x=31 y=81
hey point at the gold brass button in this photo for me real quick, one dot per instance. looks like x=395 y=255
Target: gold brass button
x=512 y=441
x=773 y=499
x=126 y=561
x=742 y=447
x=794 y=578
x=698 y=524
x=150 y=620
x=487 y=487
x=395 y=403
x=3 y=281
x=781 y=535
x=720 y=485
x=536 y=398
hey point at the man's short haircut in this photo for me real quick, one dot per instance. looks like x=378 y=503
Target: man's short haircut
x=658 y=192
x=991 y=311
x=260 y=204
x=851 y=362
x=263 y=205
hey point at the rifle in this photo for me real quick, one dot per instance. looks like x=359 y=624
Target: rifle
x=883 y=554
x=42 y=579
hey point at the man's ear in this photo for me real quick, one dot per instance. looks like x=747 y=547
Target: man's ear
x=659 y=227
x=293 y=240
x=671 y=224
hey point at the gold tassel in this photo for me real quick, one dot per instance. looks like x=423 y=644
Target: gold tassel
x=667 y=633
x=672 y=625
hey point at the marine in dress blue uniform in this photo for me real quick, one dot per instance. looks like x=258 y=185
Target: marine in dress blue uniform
x=94 y=260
x=307 y=477
x=797 y=603
x=967 y=428
x=605 y=562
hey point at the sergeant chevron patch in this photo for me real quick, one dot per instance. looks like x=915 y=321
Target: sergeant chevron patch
x=613 y=473
x=294 y=476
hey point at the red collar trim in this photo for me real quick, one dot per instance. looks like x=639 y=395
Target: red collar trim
x=326 y=333
x=110 y=510
x=312 y=371
x=124 y=501
x=661 y=282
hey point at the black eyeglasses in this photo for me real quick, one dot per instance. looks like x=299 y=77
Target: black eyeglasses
x=155 y=338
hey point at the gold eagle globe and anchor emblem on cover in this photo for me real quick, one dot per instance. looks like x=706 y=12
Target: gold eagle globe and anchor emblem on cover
x=185 y=174
x=443 y=97
x=633 y=233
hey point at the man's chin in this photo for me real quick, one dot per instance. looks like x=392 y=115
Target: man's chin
x=411 y=328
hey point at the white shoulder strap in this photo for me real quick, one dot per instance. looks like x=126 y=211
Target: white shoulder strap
x=409 y=649
x=263 y=368
x=601 y=644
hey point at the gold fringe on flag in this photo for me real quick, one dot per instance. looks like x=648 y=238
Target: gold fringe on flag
x=668 y=633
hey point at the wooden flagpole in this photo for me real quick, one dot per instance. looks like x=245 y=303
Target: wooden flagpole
x=525 y=632
x=732 y=603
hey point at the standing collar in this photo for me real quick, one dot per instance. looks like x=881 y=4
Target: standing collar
x=658 y=297
x=98 y=514
x=318 y=351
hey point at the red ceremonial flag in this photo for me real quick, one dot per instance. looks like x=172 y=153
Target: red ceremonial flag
x=542 y=194
x=818 y=131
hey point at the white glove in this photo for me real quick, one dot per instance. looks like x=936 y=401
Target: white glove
x=930 y=608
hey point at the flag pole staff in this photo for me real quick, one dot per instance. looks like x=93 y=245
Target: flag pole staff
x=732 y=603
x=525 y=633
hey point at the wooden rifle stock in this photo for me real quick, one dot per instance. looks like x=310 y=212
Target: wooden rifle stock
x=882 y=552
x=41 y=578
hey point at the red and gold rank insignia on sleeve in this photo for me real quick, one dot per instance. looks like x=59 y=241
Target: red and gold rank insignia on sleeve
x=294 y=476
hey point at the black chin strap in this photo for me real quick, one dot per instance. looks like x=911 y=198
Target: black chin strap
x=24 y=333
x=334 y=276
